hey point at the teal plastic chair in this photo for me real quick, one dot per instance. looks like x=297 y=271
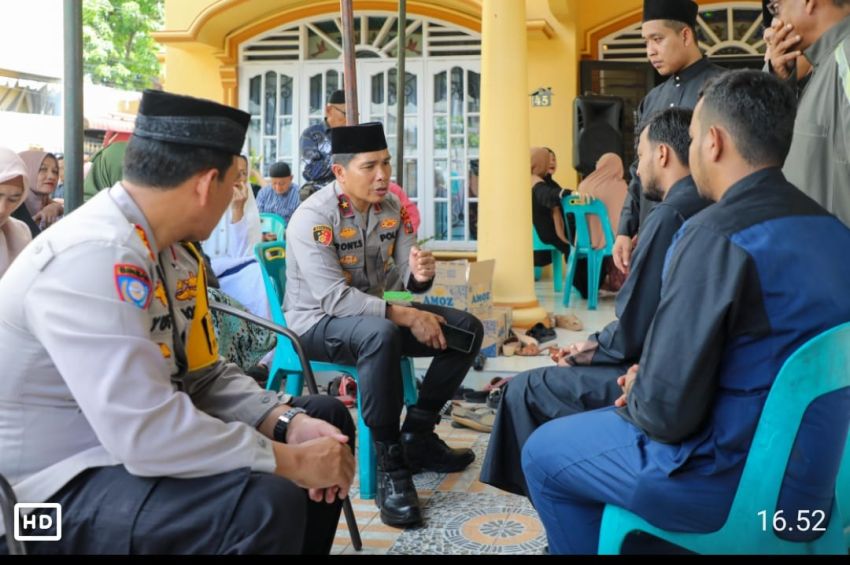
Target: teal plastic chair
x=557 y=261
x=272 y=259
x=272 y=223
x=842 y=492
x=819 y=367
x=580 y=207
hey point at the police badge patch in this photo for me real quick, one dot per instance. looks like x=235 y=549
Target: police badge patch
x=323 y=235
x=133 y=285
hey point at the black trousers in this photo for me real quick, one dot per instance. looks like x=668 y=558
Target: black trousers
x=107 y=510
x=376 y=345
x=533 y=398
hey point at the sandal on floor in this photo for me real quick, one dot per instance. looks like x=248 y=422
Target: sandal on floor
x=569 y=322
x=541 y=333
x=529 y=350
x=480 y=419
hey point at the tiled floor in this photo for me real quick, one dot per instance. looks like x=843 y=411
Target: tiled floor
x=462 y=515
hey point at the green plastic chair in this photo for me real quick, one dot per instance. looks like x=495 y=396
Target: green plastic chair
x=272 y=223
x=819 y=367
x=272 y=259
x=581 y=208
x=557 y=261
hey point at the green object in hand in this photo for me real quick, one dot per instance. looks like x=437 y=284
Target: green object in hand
x=398 y=296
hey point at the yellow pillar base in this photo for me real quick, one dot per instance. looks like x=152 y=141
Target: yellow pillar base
x=526 y=315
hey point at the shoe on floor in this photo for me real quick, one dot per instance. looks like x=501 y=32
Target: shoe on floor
x=480 y=418
x=569 y=322
x=541 y=333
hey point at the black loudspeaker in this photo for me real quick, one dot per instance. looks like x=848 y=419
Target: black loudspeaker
x=598 y=129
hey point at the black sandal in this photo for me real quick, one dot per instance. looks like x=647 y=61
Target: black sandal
x=541 y=333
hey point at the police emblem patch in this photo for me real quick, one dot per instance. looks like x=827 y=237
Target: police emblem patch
x=349 y=233
x=323 y=235
x=349 y=260
x=133 y=285
x=389 y=224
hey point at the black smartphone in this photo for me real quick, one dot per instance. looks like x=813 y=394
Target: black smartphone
x=458 y=339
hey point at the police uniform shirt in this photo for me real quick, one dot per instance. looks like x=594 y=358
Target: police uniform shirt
x=93 y=374
x=339 y=262
x=681 y=91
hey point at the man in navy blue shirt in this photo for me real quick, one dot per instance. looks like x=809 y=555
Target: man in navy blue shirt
x=746 y=283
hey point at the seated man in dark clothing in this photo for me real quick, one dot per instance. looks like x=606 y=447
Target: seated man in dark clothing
x=586 y=377
x=746 y=283
x=547 y=216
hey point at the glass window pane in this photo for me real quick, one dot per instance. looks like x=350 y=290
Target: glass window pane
x=254 y=96
x=285 y=95
x=457 y=208
x=254 y=148
x=457 y=92
x=411 y=103
x=285 y=143
x=441 y=221
x=411 y=178
x=332 y=83
x=391 y=145
x=377 y=98
x=440 y=94
x=441 y=175
x=269 y=155
x=316 y=100
x=473 y=91
x=473 y=132
x=457 y=144
x=392 y=88
x=271 y=103
x=411 y=131
x=457 y=123
x=441 y=136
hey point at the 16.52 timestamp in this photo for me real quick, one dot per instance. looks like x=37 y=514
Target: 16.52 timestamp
x=806 y=521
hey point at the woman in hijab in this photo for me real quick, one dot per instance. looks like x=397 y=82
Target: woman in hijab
x=42 y=178
x=606 y=184
x=14 y=234
x=106 y=169
x=548 y=216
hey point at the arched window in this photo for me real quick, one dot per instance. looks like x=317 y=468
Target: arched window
x=727 y=29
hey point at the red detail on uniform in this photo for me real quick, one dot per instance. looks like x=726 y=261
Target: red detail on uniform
x=144 y=237
x=345 y=206
x=323 y=235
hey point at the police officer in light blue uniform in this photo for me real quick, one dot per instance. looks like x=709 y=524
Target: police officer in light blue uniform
x=346 y=245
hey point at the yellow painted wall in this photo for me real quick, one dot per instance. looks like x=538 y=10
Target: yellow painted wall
x=552 y=63
x=193 y=70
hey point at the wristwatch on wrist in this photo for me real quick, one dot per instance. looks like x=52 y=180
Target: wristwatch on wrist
x=283 y=423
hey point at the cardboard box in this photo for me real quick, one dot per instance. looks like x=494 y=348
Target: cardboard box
x=497 y=327
x=462 y=285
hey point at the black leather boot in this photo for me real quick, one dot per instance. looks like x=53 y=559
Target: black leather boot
x=396 y=496
x=423 y=448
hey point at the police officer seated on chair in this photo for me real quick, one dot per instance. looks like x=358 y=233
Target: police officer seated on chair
x=346 y=245
x=114 y=402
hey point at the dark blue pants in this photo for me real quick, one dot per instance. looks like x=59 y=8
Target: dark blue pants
x=576 y=465
x=107 y=510
x=376 y=345
x=533 y=398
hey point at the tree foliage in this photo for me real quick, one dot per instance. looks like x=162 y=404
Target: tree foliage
x=118 y=49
